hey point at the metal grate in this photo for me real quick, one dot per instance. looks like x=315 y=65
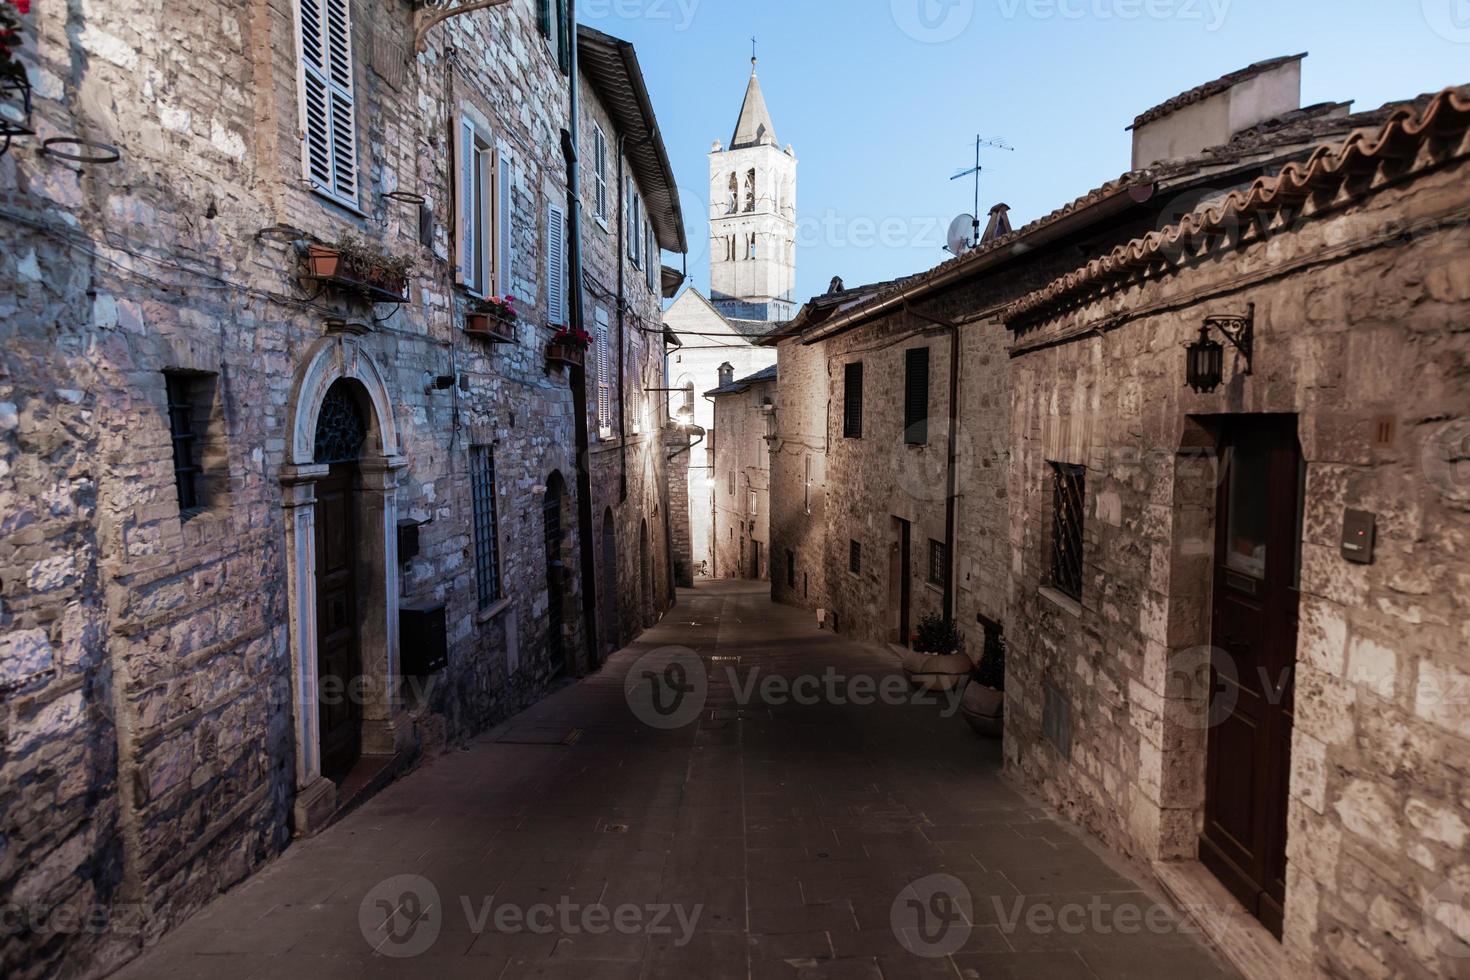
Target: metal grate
x=938 y=563
x=916 y=396
x=1069 y=490
x=852 y=401
x=181 y=431
x=340 y=427
x=487 y=525
x=855 y=558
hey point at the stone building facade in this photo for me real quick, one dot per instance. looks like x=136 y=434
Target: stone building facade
x=224 y=483
x=744 y=420
x=1135 y=702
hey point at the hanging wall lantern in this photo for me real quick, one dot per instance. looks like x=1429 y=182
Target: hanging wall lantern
x=1205 y=358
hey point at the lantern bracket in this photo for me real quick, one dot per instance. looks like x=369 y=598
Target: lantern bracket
x=433 y=12
x=1239 y=330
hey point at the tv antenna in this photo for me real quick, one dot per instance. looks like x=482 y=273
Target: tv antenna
x=981 y=143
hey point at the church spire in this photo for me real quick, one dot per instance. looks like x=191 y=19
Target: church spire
x=754 y=126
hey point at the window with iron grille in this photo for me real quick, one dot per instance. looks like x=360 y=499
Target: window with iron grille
x=916 y=396
x=852 y=401
x=487 y=529
x=855 y=558
x=938 y=562
x=181 y=429
x=1069 y=491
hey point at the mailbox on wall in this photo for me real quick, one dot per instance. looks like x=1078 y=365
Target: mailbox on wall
x=422 y=640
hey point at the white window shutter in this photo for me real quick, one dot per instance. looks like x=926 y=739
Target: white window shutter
x=467 y=204
x=505 y=240
x=604 y=374
x=652 y=258
x=328 y=111
x=556 y=266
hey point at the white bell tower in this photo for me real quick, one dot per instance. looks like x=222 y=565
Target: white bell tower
x=753 y=218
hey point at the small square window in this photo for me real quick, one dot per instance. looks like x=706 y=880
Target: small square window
x=855 y=558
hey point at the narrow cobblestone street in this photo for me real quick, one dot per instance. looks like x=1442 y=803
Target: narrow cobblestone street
x=780 y=834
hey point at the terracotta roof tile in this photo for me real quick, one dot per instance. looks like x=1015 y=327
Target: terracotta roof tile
x=1444 y=117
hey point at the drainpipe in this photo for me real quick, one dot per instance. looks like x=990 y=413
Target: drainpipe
x=621 y=251
x=570 y=147
x=952 y=461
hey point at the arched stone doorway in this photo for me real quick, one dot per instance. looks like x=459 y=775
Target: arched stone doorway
x=612 y=627
x=339 y=490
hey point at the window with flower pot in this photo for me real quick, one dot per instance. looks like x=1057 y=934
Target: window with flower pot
x=482 y=188
x=328 y=101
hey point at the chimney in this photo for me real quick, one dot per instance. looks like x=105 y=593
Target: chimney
x=1000 y=223
x=1211 y=114
x=727 y=374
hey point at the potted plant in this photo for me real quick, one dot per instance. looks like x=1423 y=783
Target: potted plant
x=15 y=85
x=569 y=347
x=984 y=702
x=357 y=266
x=494 y=319
x=935 y=663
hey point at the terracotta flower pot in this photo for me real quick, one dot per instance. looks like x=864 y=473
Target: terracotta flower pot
x=325 y=262
x=984 y=709
x=937 y=673
x=566 y=354
x=487 y=326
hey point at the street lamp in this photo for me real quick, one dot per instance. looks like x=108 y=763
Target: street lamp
x=1204 y=365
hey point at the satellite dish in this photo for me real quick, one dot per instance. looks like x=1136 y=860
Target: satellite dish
x=961 y=232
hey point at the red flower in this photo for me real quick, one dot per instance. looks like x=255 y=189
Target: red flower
x=24 y=6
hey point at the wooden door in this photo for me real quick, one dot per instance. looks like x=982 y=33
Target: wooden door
x=1254 y=632
x=900 y=579
x=339 y=660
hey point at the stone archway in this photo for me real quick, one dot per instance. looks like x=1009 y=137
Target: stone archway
x=328 y=361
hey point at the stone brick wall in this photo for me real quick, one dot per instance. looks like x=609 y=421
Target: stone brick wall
x=629 y=468
x=742 y=462
x=1359 y=321
x=149 y=749
x=799 y=457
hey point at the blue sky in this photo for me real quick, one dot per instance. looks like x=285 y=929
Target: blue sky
x=882 y=99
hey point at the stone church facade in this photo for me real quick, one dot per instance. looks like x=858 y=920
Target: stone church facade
x=266 y=543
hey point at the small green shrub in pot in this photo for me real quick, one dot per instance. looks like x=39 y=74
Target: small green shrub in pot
x=936 y=635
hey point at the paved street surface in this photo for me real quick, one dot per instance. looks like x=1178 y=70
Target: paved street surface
x=766 y=838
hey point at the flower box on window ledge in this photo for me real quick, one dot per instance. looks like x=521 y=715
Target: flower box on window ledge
x=493 y=319
x=355 y=267
x=568 y=348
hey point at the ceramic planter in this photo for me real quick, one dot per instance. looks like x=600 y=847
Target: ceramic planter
x=984 y=709
x=937 y=673
x=377 y=285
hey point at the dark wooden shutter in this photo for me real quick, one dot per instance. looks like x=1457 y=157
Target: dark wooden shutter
x=916 y=396
x=852 y=401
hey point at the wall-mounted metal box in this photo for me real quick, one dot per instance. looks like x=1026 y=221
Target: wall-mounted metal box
x=423 y=640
